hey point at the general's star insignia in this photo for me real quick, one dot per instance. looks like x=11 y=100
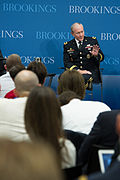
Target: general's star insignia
x=93 y=37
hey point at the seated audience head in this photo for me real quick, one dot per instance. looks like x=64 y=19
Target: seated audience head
x=12 y=60
x=39 y=69
x=72 y=80
x=43 y=117
x=66 y=96
x=25 y=81
x=28 y=161
x=15 y=70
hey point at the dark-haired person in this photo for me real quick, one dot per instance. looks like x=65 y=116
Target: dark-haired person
x=39 y=69
x=2 y=68
x=66 y=96
x=78 y=115
x=6 y=81
x=13 y=72
x=103 y=133
x=43 y=118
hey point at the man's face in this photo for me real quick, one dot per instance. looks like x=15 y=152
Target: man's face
x=78 y=32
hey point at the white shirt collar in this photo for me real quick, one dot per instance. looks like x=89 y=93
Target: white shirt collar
x=77 y=42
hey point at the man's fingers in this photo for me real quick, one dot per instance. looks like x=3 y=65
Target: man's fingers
x=89 y=72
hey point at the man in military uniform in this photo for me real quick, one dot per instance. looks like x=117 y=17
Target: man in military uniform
x=83 y=54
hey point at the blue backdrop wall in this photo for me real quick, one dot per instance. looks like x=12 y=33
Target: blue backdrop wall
x=39 y=29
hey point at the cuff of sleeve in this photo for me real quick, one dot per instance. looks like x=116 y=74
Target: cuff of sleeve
x=73 y=67
x=99 y=57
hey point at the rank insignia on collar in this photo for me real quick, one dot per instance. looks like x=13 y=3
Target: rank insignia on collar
x=65 y=43
x=93 y=37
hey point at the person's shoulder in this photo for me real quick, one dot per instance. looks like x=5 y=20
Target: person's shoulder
x=107 y=114
x=68 y=144
x=103 y=106
x=5 y=101
x=67 y=43
x=5 y=76
x=21 y=99
x=88 y=38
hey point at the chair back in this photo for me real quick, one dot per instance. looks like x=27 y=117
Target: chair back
x=93 y=160
x=72 y=173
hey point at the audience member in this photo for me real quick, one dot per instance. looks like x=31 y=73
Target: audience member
x=114 y=171
x=78 y=115
x=66 y=96
x=70 y=80
x=103 y=133
x=2 y=69
x=76 y=137
x=12 y=110
x=27 y=161
x=13 y=72
x=39 y=69
x=43 y=118
x=6 y=82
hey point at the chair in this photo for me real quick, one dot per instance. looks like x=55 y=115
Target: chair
x=72 y=173
x=50 y=78
x=76 y=138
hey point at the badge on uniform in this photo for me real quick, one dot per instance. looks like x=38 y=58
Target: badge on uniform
x=88 y=47
x=70 y=51
x=88 y=56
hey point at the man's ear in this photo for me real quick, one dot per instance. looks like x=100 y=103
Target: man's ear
x=5 y=67
x=72 y=33
x=16 y=92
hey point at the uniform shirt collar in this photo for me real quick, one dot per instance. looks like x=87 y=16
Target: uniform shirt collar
x=77 y=42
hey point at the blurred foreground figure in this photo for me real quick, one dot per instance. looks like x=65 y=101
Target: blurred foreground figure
x=112 y=173
x=27 y=161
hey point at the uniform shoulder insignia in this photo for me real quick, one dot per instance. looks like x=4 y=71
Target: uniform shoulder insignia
x=65 y=43
x=93 y=37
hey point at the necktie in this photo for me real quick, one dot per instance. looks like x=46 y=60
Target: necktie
x=80 y=44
